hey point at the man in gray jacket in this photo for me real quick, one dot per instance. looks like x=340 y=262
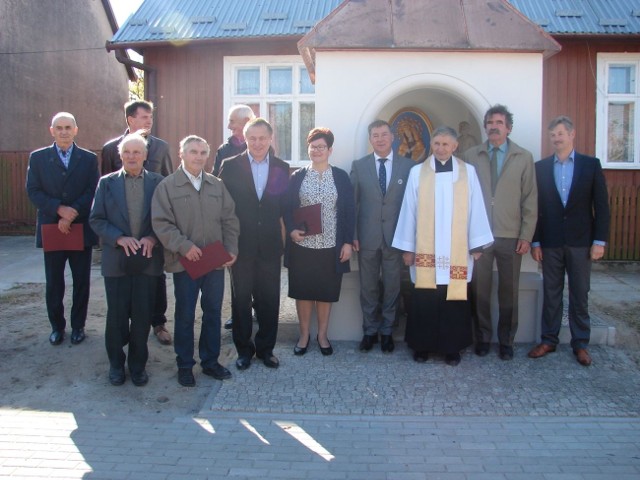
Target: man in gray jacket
x=508 y=180
x=190 y=210
x=379 y=180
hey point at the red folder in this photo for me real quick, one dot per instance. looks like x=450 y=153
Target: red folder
x=53 y=239
x=213 y=257
x=309 y=219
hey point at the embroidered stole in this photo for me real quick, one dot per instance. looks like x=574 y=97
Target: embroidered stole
x=426 y=235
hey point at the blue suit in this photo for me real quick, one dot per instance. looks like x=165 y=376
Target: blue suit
x=129 y=296
x=50 y=185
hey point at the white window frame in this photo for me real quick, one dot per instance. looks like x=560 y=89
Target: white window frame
x=604 y=60
x=230 y=98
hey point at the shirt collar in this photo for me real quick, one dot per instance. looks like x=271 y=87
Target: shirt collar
x=502 y=148
x=252 y=160
x=128 y=175
x=190 y=176
x=69 y=150
x=388 y=157
x=570 y=158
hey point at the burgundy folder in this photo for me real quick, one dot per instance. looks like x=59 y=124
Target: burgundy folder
x=309 y=219
x=213 y=257
x=53 y=239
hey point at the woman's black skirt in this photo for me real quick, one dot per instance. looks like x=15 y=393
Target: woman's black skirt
x=312 y=274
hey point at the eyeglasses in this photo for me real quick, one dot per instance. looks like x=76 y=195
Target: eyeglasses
x=317 y=148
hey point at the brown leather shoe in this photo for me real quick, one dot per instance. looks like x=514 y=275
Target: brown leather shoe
x=541 y=350
x=163 y=335
x=583 y=356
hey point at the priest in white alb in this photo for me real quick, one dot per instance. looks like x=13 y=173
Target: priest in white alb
x=442 y=227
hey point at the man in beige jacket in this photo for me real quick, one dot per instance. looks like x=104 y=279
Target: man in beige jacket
x=190 y=210
x=507 y=176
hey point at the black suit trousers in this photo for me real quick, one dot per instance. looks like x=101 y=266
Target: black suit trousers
x=54 y=266
x=257 y=278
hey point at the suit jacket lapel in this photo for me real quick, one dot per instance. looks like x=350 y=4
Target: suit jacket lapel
x=372 y=171
x=578 y=169
x=245 y=166
x=75 y=159
x=116 y=185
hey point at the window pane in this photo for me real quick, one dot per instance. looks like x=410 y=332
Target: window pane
x=248 y=81
x=255 y=107
x=280 y=80
x=305 y=82
x=620 y=132
x=622 y=79
x=307 y=122
x=280 y=120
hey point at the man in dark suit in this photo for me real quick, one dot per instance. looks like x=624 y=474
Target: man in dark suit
x=61 y=181
x=573 y=225
x=139 y=117
x=257 y=180
x=379 y=180
x=132 y=258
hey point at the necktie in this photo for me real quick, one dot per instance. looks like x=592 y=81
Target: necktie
x=494 y=169
x=63 y=157
x=382 y=176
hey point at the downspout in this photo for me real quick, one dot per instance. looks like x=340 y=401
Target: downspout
x=151 y=91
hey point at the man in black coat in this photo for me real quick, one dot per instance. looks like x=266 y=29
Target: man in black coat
x=572 y=230
x=139 y=117
x=61 y=181
x=257 y=180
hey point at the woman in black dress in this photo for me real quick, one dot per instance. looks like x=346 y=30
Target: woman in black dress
x=316 y=262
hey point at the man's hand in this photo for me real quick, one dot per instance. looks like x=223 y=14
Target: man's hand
x=147 y=244
x=522 y=247
x=194 y=254
x=476 y=255
x=356 y=245
x=536 y=253
x=64 y=225
x=130 y=245
x=232 y=261
x=345 y=252
x=68 y=213
x=408 y=258
x=597 y=252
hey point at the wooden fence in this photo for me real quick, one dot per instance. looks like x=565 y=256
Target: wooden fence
x=17 y=214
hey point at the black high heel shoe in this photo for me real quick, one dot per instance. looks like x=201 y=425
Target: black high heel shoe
x=325 y=350
x=301 y=350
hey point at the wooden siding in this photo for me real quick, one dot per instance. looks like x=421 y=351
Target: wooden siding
x=17 y=213
x=569 y=86
x=189 y=88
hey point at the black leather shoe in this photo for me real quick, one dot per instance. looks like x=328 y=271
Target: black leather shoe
x=506 y=352
x=367 y=342
x=386 y=343
x=228 y=325
x=420 y=357
x=270 y=361
x=77 y=335
x=56 y=337
x=217 y=371
x=186 y=378
x=242 y=363
x=326 y=351
x=452 y=359
x=140 y=379
x=301 y=350
x=116 y=376
x=482 y=349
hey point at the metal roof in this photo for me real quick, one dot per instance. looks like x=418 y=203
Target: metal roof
x=583 y=17
x=168 y=20
x=178 y=20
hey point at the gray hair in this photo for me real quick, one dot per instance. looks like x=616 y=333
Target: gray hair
x=445 y=130
x=190 y=139
x=562 y=119
x=242 y=111
x=66 y=115
x=132 y=137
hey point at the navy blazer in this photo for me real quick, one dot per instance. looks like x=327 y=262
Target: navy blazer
x=260 y=228
x=586 y=216
x=346 y=212
x=50 y=184
x=110 y=220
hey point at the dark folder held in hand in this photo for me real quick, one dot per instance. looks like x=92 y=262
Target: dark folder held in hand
x=53 y=239
x=309 y=219
x=213 y=256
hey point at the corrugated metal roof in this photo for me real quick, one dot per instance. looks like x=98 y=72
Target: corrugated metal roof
x=583 y=17
x=168 y=20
